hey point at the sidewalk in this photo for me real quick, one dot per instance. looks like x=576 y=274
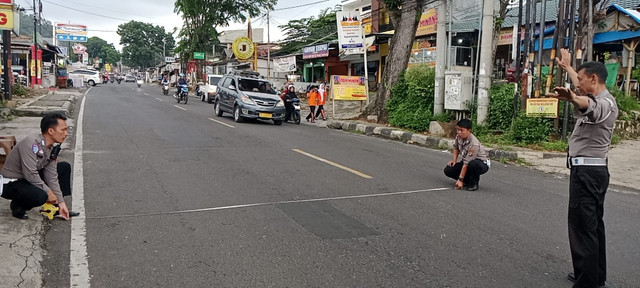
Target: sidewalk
x=21 y=240
x=622 y=157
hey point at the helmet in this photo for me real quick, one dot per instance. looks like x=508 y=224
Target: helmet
x=181 y=74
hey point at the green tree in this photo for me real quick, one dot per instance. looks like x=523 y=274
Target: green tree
x=143 y=44
x=201 y=17
x=45 y=28
x=98 y=47
x=303 y=32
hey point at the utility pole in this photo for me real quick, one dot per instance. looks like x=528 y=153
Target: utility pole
x=486 y=67
x=6 y=62
x=441 y=53
x=268 y=49
x=541 y=48
x=590 y=33
x=518 y=59
x=34 y=50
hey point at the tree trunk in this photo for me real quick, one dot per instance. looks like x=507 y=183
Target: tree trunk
x=405 y=21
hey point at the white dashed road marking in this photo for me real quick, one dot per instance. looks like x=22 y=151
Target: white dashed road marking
x=222 y=123
x=333 y=164
x=179 y=107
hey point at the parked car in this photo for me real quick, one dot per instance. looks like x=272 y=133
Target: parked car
x=208 y=91
x=129 y=78
x=91 y=77
x=244 y=96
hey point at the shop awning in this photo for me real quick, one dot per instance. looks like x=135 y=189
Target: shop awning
x=624 y=25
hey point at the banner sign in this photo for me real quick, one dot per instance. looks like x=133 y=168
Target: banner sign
x=349 y=31
x=428 y=22
x=79 y=48
x=71 y=32
x=506 y=36
x=315 y=51
x=542 y=107
x=284 y=64
x=348 y=88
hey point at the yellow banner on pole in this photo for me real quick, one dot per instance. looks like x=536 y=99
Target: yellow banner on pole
x=542 y=107
x=348 y=88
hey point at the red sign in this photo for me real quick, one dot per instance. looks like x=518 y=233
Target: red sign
x=6 y=2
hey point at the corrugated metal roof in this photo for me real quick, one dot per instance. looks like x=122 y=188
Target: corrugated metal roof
x=551 y=9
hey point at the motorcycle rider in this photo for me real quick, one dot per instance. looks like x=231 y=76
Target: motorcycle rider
x=288 y=106
x=181 y=81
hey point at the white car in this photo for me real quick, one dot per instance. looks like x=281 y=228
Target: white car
x=207 y=92
x=91 y=77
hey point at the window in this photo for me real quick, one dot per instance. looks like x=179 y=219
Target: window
x=213 y=80
x=251 y=85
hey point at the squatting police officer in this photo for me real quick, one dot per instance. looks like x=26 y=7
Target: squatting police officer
x=474 y=158
x=32 y=175
x=595 y=115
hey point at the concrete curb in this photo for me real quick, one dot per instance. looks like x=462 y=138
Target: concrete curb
x=27 y=110
x=430 y=141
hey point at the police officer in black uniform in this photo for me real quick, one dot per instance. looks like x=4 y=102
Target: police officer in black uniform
x=595 y=115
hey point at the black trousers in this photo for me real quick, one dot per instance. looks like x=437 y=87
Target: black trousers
x=288 y=110
x=27 y=196
x=475 y=169
x=320 y=110
x=587 y=188
x=313 y=110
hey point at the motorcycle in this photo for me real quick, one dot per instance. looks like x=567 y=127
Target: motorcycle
x=139 y=82
x=183 y=95
x=119 y=80
x=165 y=89
x=296 y=110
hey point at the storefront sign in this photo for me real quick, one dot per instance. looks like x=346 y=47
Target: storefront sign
x=505 y=37
x=6 y=17
x=285 y=64
x=428 y=22
x=79 y=48
x=542 y=107
x=349 y=32
x=198 y=55
x=315 y=51
x=243 y=48
x=348 y=88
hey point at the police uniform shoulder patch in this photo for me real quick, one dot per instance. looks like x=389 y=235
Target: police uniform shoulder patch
x=471 y=151
x=34 y=148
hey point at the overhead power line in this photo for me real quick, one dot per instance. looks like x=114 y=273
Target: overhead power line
x=302 y=5
x=87 y=12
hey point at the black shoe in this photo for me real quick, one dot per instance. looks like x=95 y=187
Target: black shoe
x=473 y=187
x=572 y=278
x=17 y=211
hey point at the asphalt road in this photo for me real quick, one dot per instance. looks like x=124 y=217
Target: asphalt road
x=175 y=199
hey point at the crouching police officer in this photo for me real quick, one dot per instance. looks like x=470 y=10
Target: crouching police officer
x=474 y=158
x=589 y=180
x=32 y=175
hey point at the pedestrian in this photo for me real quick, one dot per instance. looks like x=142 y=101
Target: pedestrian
x=32 y=173
x=288 y=105
x=474 y=158
x=595 y=114
x=312 y=98
x=322 y=99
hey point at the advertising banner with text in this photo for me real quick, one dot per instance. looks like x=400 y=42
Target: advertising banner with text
x=348 y=88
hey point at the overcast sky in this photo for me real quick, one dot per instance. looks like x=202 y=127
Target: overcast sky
x=157 y=12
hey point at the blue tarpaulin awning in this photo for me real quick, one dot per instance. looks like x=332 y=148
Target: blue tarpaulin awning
x=546 y=45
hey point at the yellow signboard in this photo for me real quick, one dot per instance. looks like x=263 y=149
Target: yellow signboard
x=348 y=88
x=542 y=107
x=243 y=48
x=6 y=18
x=428 y=21
x=107 y=67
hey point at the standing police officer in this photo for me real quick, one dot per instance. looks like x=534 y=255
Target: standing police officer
x=595 y=116
x=32 y=173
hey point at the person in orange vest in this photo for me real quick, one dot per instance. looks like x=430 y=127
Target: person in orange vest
x=313 y=97
x=322 y=99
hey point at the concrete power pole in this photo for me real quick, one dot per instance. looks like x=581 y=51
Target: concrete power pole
x=441 y=54
x=486 y=59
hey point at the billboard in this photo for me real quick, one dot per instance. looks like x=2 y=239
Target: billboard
x=348 y=88
x=71 y=32
x=349 y=32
